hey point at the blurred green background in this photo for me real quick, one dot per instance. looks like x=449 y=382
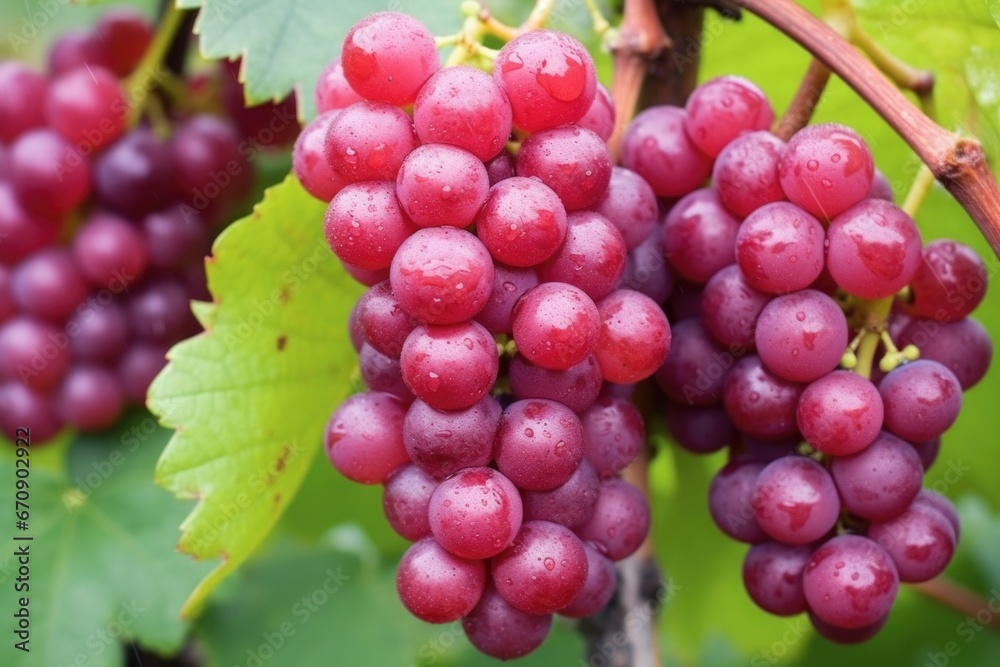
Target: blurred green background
x=321 y=589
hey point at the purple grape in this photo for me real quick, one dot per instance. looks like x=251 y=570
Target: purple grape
x=730 y=500
x=436 y=586
x=766 y=451
x=476 y=513
x=922 y=400
x=613 y=435
x=450 y=367
x=745 y=175
x=577 y=387
x=696 y=368
x=699 y=236
x=843 y=635
x=364 y=438
x=90 y=398
x=570 y=504
x=382 y=321
x=22 y=407
x=22 y=232
x=160 y=312
x=85 y=105
x=881 y=187
x=647 y=271
x=721 y=109
x=942 y=505
x=48 y=285
x=597 y=591
x=592 y=256
x=556 y=326
x=802 y=336
x=135 y=175
x=35 y=353
x=501 y=167
x=780 y=248
x=760 y=403
x=405 y=500
x=730 y=307
x=699 y=430
x=826 y=169
x=620 y=521
x=795 y=500
x=442 y=443
x=950 y=282
x=9 y=309
x=539 y=444
x=963 y=346
x=850 y=582
x=571 y=160
x=880 y=481
x=840 y=413
x=600 y=117
x=211 y=159
x=928 y=451
x=382 y=373
x=772 y=575
x=657 y=147
x=501 y=631
x=635 y=337
x=173 y=239
x=111 y=252
x=920 y=541
x=137 y=368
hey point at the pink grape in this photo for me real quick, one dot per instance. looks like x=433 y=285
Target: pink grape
x=368 y=141
x=802 y=336
x=522 y=223
x=86 y=105
x=476 y=513
x=442 y=442
x=730 y=307
x=780 y=248
x=630 y=205
x=441 y=185
x=364 y=438
x=509 y=285
x=500 y=631
x=635 y=337
x=613 y=435
x=539 y=444
x=436 y=586
x=382 y=321
x=599 y=588
x=699 y=236
x=840 y=413
x=365 y=226
x=600 y=117
x=721 y=109
x=729 y=501
x=949 y=283
x=745 y=174
x=571 y=160
x=592 y=257
x=826 y=169
x=760 y=403
x=920 y=541
x=577 y=387
x=880 y=481
x=450 y=367
x=23 y=105
x=556 y=326
x=33 y=352
x=658 y=149
x=620 y=521
x=543 y=570
x=405 y=500
x=964 y=347
x=795 y=500
x=309 y=160
x=922 y=400
x=333 y=92
x=850 y=582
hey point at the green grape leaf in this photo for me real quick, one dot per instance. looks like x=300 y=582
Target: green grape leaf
x=102 y=566
x=249 y=397
x=285 y=45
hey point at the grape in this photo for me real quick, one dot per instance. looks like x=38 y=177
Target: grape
x=949 y=283
x=920 y=541
x=48 y=285
x=436 y=586
x=174 y=241
x=592 y=257
x=69 y=51
x=598 y=589
x=556 y=326
x=630 y=205
x=365 y=225
x=9 y=309
x=450 y=367
x=382 y=373
x=795 y=500
x=442 y=275
x=539 y=444
x=840 y=413
x=405 y=500
x=367 y=277
x=766 y=451
x=21 y=232
x=137 y=367
x=333 y=92
x=211 y=160
x=444 y=442
x=569 y=504
x=309 y=161
x=522 y=223
x=271 y=124
x=368 y=141
x=501 y=631
x=845 y=636
x=387 y=57
x=48 y=175
x=658 y=149
x=780 y=248
x=501 y=168
x=881 y=188
x=90 y=398
x=87 y=106
x=922 y=400
x=475 y=513
x=699 y=236
x=160 y=311
x=699 y=430
x=760 y=403
x=600 y=117
x=802 y=336
x=98 y=333
x=383 y=323
x=620 y=521
x=729 y=500
x=874 y=249
x=826 y=169
x=22 y=407
x=543 y=570
x=34 y=352
x=928 y=451
x=135 y=175
x=850 y=582
x=695 y=370
x=721 y=109
x=646 y=271
x=880 y=481
x=942 y=505
x=613 y=435
x=730 y=307
x=745 y=175
x=549 y=79
x=509 y=285
x=111 y=253
x=125 y=35
x=577 y=387
x=571 y=160
x=364 y=438
x=441 y=185
x=964 y=347
x=463 y=106
x=772 y=575
x=22 y=106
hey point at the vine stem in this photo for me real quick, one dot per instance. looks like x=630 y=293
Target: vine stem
x=957 y=597
x=958 y=163
x=171 y=20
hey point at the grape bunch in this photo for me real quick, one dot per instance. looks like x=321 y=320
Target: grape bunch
x=498 y=339
x=819 y=340
x=104 y=223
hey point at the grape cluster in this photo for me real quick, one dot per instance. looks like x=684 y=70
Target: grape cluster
x=103 y=226
x=498 y=339
x=783 y=266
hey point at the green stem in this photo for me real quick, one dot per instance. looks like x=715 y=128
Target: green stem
x=171 y=20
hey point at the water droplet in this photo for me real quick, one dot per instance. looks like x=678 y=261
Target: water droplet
x=812 y=165
x=800 y=316
x=550 y=564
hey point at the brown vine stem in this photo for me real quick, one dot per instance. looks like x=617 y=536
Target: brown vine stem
x=961 y=599
x=958 y=163
x=804 y=103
